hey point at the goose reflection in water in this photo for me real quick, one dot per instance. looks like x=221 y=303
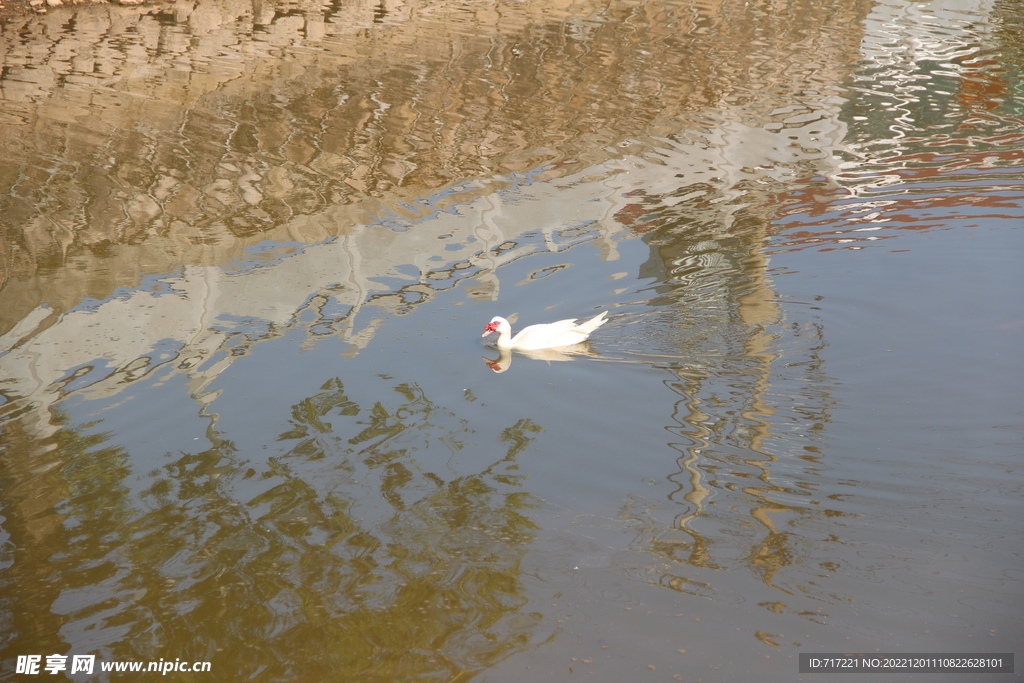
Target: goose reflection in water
x=504 y=359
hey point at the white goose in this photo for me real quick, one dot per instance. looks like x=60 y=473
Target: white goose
x=546 y=336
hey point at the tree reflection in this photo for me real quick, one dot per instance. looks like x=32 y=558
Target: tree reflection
x=743 y=425
x=356 y=562
x=342 y=557
x=44 y=484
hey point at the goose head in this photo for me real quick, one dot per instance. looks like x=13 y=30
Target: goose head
x=497 y=324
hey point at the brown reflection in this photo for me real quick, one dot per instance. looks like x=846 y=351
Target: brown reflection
x=202 y=128
x=342 y=557
x=33 y=493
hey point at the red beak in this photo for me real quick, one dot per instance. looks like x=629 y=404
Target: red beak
x=488 y=328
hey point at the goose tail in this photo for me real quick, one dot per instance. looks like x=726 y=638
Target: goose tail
x=594 y=323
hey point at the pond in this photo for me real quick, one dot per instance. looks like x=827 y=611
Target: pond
x=250 y=426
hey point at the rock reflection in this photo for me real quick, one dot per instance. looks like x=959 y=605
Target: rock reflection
x=199 y=128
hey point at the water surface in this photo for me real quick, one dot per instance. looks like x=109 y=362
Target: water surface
x=248 y=418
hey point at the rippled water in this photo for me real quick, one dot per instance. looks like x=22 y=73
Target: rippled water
x=249 y=250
